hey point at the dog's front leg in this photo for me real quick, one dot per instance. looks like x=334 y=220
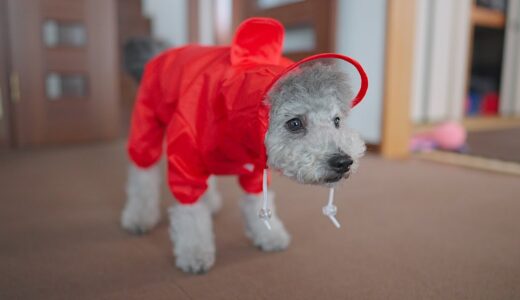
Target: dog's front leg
x=191 y=231
x=268 y=240
x=191 y=227
x=142 y=208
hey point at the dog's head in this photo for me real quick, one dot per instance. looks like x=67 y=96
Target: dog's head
x=307 y=139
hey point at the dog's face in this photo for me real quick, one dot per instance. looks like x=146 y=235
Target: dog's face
x=307 y=138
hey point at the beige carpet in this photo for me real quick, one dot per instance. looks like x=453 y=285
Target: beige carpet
x=411 y=230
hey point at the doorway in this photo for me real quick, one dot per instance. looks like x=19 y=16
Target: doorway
x=59 y=71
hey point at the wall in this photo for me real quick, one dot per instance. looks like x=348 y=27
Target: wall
x=361 y=29
x=206 y=36
x=169 y=20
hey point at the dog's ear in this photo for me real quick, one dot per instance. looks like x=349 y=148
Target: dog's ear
x=257 y=41
x=315 y=80
x=315 y=73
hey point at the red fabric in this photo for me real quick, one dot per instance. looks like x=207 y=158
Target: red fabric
x=207 y=101
x=258 y=41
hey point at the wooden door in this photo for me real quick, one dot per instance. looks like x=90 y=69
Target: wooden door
x=63 y=73
x=4 y=121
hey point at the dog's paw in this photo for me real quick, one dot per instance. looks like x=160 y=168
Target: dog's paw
x=192 y=235
x=137 y=221
x=195 y=260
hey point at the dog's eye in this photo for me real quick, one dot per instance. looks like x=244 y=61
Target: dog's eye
x=294 y=125
x=336 y=122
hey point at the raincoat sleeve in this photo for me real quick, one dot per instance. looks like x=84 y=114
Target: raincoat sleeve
x=147 y=132
x=252 y=183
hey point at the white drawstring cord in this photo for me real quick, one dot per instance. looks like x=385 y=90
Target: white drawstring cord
x=265 y=213
x=330 y=209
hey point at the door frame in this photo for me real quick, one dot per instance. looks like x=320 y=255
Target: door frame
x=396 y=121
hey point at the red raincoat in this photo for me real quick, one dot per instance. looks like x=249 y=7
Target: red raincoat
x=208 y=102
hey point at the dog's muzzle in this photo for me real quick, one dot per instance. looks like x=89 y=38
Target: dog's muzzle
x=340 y=163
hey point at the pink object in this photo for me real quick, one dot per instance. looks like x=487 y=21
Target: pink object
x=449 y=136
x=422 y=144
x=446 y=136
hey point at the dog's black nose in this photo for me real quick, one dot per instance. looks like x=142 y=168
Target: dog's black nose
x=340 y=163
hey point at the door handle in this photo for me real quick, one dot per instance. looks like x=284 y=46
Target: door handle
x=14 y=82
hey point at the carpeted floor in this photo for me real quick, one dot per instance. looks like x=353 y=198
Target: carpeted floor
x=411 y=230
x=502 y=144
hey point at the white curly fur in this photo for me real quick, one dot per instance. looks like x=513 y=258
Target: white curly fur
x=268 y=240
x=191 y=230
x=317 y=94
x=212 y=197
x=142 y=212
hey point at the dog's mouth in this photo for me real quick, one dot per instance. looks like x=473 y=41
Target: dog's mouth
x=336 y=177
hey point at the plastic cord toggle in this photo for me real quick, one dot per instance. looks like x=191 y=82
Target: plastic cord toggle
x=330 y=209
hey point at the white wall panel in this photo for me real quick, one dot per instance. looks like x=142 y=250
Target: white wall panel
x=442 y=34
x=510 y=88
x=360 y=33
x=420 y=65
x=169 y=20
x=441 y=60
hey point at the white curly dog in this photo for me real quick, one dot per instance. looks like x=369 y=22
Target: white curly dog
x=307 y=140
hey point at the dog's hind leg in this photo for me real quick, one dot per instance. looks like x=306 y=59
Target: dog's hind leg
x=142 y=208
x=212 y=197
